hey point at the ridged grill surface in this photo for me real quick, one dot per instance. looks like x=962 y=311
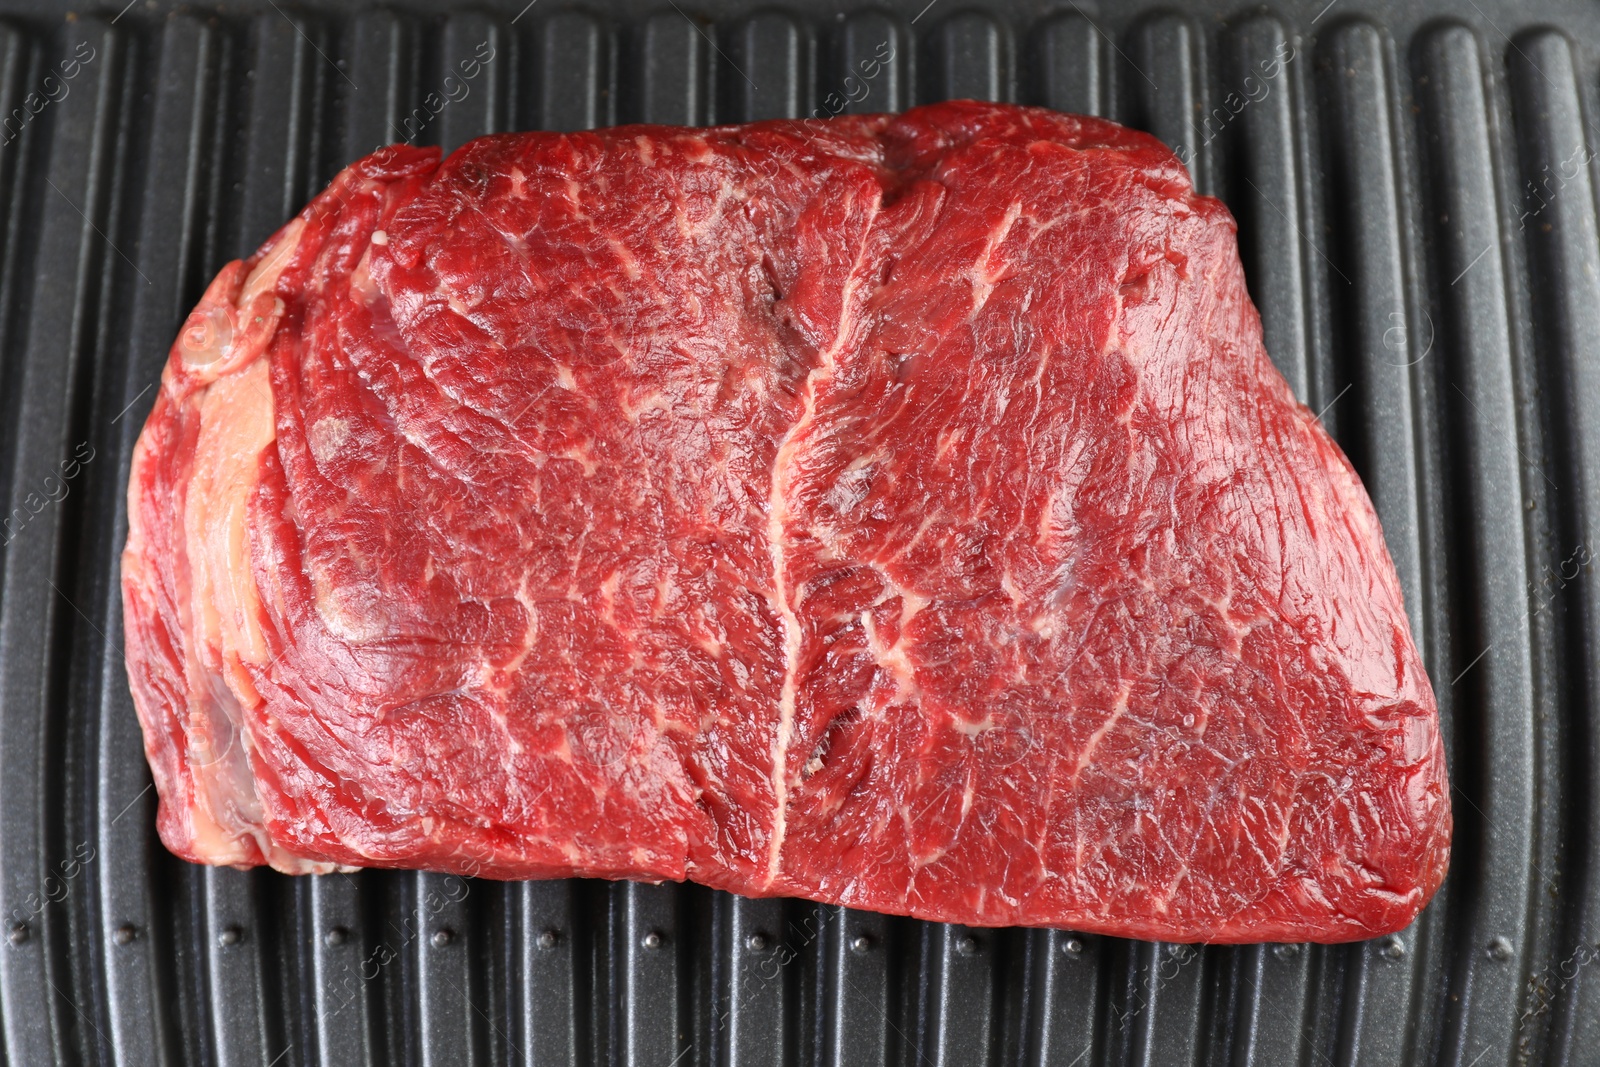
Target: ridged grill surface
x=1415 y=188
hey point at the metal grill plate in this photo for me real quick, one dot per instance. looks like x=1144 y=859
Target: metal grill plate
x=1415 y=188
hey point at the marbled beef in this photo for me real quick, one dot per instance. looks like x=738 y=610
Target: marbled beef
x=899 y=511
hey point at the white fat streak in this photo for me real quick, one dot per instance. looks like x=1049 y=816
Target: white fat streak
x=1087 y=755
x=236 y=424
x=983 y=275
x=361 y=284
x=266 y=272
x=777 y=513
x=893 y=658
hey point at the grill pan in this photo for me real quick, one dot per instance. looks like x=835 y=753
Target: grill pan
x=1415 y=187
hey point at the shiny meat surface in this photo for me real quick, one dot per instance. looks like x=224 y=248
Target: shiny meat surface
x=898 y=511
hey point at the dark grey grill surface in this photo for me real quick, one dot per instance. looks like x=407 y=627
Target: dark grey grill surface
x=1415 y=187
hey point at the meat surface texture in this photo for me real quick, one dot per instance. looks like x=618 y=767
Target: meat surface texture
x=897 y=511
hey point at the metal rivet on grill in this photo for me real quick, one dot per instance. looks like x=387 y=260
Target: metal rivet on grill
x=443 y=936
x=1286 y=952
x=861 y=944
x=336 y=936
x=124 y=934
x=756 y=942
x=967 y=945
x=19 y=933
x=1500 y=949
x=548 y=939
x=1393 y=948
x=653 y=939
x=231 y=935
x=1073 y=946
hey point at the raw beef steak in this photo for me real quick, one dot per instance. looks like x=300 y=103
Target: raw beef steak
x=898 y=511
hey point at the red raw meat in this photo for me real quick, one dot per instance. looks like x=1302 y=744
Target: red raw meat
x=899 y=511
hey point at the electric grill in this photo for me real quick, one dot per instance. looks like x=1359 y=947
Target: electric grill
x=1415 y=189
